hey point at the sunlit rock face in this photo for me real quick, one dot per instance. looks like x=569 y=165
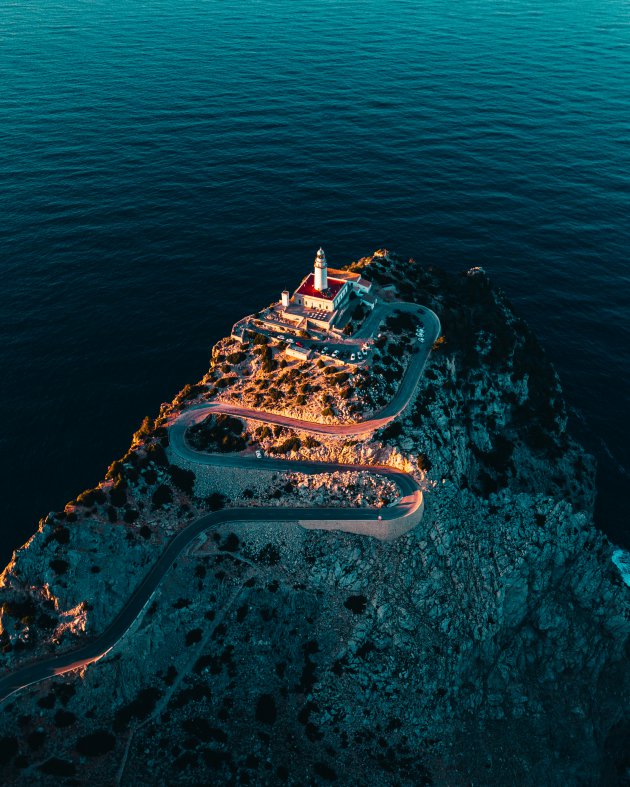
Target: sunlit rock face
x=489 y=645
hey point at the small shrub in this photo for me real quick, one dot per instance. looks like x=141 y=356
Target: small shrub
x=64 y=718
x=391 y=431
x=290 y=444
x=424 y=463
x=139 y=708
x=90 y=497
x=150 y=476
x=231 y=543
x=266 y=709
x=216 y=501
x=57 y=767
x=8 y=749
x=96 y=743
x=200 y=728
x=269 y=555
x=131 y=514
x=189 y=392
x=118 y=494
x=356 y=604
x=325 y=771
x=171 y=674
x=193 y=636
x=183 y=479
x=48 y=701
x=36 y=740
x=157 y=454
x=59 y=566
x=146 y=428
x=162 y=496
x=61 y=534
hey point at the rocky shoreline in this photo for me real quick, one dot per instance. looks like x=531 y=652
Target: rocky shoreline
x=489 y=645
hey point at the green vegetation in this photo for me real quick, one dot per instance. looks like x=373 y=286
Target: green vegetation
x=96 y=744
x=266 y=709
x=290 y=444
x=59 y=566
x=391 y=431
x=193 y=636
x=90 y=497
x=231 y=543
x=216 y=501
x=402 y=322
x=188 y=393
x=424 y=463
x=236 y=357
x=356 y=604
x=269 y=555
x=183 y=479
x=139 y=708
x=57 y=767
x=221 y=433
x=162 y=496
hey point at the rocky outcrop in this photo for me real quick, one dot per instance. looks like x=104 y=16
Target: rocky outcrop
x=489 y=645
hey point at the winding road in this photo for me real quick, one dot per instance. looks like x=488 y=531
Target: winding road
x=384 y=523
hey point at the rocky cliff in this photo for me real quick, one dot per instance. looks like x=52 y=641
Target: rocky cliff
x=490 y=645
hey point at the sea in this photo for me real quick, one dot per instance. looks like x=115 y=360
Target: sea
x=167 y=166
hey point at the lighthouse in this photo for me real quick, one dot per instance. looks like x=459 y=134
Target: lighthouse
x=321 y=272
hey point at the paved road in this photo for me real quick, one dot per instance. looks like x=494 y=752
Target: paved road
x=394 y=407
x=346 y=345
x=409 y=503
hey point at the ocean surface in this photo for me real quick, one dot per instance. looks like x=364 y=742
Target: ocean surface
x=167 y=166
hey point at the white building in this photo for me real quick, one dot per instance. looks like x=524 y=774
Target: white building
x=323 y=295
x=320 y=292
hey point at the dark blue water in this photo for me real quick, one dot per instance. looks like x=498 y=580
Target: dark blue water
x=168 y=165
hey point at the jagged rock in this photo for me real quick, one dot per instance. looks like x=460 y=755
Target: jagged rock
x=487 y=646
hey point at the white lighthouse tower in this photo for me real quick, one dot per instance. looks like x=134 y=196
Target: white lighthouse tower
x=321 y=272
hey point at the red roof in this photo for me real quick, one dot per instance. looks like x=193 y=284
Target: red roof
x=308 y=288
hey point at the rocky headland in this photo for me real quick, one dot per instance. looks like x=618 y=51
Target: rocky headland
x=490 y=644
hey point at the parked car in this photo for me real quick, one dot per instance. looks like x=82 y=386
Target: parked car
x=299 y=344
x=353 y=357
x=259 y=454
x=336 y=353
x=324 y=350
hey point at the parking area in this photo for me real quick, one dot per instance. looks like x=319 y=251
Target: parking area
x=347 y=353
x=326 y=345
